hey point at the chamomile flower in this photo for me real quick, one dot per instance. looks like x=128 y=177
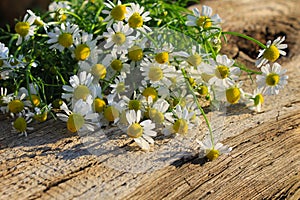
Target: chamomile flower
x=158 y=111
x=117 y=12
x=97 y=69
x=141 y=131
x=81 y=118
x=158 y=74
x=118 y=38
x=180 y=123
x=272 y=79
x=4 y=99
x=85 y=47
x=272 y=52
x=20 y=124
x=81 y=87
x=119 y=86
x=204 y=20
x=64 y=36
x=37 y=20
x=232 y=93
x=210 y=151
x=255 y=100
x=136 y=52
x=136 y=17
x=117 y=63
x=25 y=29
x=222 y=70
x=15 y=104
x=195 y=58
x=57 y=10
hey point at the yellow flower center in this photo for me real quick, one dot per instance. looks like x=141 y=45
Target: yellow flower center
x=38 y=22
x=41 y=117
x=15 y=106
x=192 y=82
x=150 y=92
x=156 y=116
x=155 y=73
x=99 y=105
x=20 y=124
x=202 y=90
x=119 y=38
x=35 y=100
x=99 y=70
x=271 y=53
x=213 y=154
x=134 y=105
x=111 y=113
x=63 y=17
x=135 y=53
x=57 y=103
x=258 y=99
x=222 y=72
x=272 y=79
x=204 y=22
x=162 y=57
x=120 y=87
x=116 y=65
x=194 y=60
x=118 y=12
x=135 y=130
x=75 y=122
x=135 y=21
x=82 y=52
x=180 y=126
x=233 y=95
x=65 y=39
x=81 y=92
x=22 y=28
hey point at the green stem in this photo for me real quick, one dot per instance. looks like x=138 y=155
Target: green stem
x=246 y=37
x=200 y=108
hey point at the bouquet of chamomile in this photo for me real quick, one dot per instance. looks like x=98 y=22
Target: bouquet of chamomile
x=148 y=67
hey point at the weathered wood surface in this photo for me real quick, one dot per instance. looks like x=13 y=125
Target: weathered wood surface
x=264 y=164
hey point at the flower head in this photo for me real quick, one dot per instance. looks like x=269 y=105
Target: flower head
x=117 y=12
x=272 y=52
x=63 y=36
x=272 y=79
x=141 y=132
x=136 y=17
x=25 y=29
x=212 y=152
x=204 y=20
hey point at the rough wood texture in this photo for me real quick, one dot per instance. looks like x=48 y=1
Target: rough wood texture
x=264 y=164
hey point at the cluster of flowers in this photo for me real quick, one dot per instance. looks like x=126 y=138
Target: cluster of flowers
x=128 y=77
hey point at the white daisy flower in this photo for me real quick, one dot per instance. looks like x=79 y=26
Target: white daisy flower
x=93 y=66
x=57 y=9
x=210 y=151
x=4 y=99
x=205 y=20
x=25 y=29
x=141 y=132
x=81 y=118
x=37 y=20
x=85 y=47
x=136 y=17
x=180 y=123
x=232 y=93
x=255 y=100
x=118 y=38
x=118 y=86
x=158 y=74
x=193 y=59
x=272 y=52
x=117 y=12
x=117 y=64
x=136 y=51
x=222 y=70
x=20 y=125
x=272 y=79
x=158 y=111
x=63 y=37
x=81 y=87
